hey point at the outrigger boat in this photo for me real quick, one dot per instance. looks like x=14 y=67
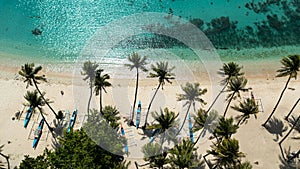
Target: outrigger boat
x=123 y=134
x=138 y=115
x=38 y=133
x=28 y=116
x=191 y=129
x=72 y=120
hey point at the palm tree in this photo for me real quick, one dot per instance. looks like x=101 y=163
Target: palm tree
x=30 y=74
x=37 y=102
x=100 y=84
x=206 y=121
x=225 y=128
x=228 y=70
x=163 y=72
x=137 y=63
x=152 y=153
x=236 y=85
x=6 y=157
x=184 y=156
x=191 y=94
x=226 y=153
x=166 y=119
x=247 y=107
x=290 y=68
x=89 y=71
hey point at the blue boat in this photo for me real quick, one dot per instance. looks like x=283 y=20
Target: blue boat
x=154 y=134
x=28 y=116
x=191 y=129
x=38 y=133
x=123 y=134
x=138 y=115
x=72 y=120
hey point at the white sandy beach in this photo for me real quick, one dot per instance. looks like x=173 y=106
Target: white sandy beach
x=255 y=141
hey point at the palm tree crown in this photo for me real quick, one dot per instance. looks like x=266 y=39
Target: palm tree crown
x=137 y=63
x=163 y=72
x=36 y=101
x=192 y=93
x=230 y=70
x=247 y=107
x=290 y=66
x=165 y=119
x=235 y=86
x=226 y=153
x=89 y=71
x=29 y=72
x=225 y=128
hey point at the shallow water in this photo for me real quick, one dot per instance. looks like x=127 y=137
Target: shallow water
x=66 y=26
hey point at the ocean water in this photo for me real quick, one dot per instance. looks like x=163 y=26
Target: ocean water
x=269 y=29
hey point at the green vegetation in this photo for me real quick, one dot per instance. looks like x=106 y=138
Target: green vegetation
x=80 y=148
x=138 y=63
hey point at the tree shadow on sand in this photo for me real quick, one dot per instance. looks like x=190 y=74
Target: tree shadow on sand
x=290 y=162
x=276 y=127
x=292 y=120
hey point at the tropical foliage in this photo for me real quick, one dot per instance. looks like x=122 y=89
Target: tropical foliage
x=138 y=63
x=192 y=93
x=163 y=72
x=101 y=82
x=89 y=71
x=290 y=68
x=247 y=107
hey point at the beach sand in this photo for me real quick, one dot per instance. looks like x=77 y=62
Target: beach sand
x=255 y=141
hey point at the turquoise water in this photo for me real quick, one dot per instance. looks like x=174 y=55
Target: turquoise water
x=66 y=25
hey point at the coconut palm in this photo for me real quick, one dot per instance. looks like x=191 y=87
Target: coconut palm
x=247 y=107
x=290 y=68
x=152 y=153
x=100 y=84
x=89 y=71
x=36 y=101
x=228 y=70
x=235 y=86
x=184 y=155
x=227 y=154
x=30 y=74
x=163 y=72
x=192 y=93
x=138 y=63
x=206 y=121
x=166 y=119
x=225 y=128
x=6 y=157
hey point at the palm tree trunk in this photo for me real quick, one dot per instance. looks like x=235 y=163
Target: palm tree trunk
x=285 y=87
x=90 y=98
x=148 y=110
x=35 y=84
x=287 y=117
x=229 y=101
x=50 y=128
x=290 y=130
x=239 y=121
x=100 y=101
x=187 y=112
x=135 y=95
x=7 y=160
x=217 y=97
